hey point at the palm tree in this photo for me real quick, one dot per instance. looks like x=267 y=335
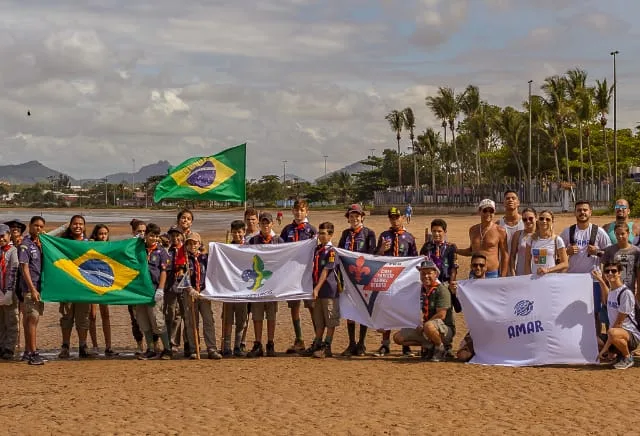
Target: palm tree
x=602 y=99
x=556 y=102
x=471 y=107
x=576 y=85
x=396 y=122
x=586 y=114
x=429 y=143
x=342 y=183
x=410 y=125
x=511 y=126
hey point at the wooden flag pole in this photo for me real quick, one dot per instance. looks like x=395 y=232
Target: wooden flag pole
x=196 y=335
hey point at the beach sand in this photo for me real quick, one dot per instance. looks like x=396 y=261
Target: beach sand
x=298 y=395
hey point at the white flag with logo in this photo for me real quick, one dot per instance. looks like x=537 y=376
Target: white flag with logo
x=530 y=320
x=379 y=291
x=268 y=272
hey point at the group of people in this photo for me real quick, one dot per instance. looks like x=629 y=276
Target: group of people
x=521 y=242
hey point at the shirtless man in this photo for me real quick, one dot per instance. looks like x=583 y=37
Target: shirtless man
x=512 y=220
x=490 y=239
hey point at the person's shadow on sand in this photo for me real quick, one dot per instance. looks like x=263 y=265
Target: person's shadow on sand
x=570 y=317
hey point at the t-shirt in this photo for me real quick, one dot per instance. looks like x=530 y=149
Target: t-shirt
x=158 y=260
x=523 y=242
x=511 y=230
x=408 y=210
x=437 y=297
x=298 y=232
x=581 y=262
x=627 y=305
x=31 y=254
x=197 y=270
x=443 y=255
x=324 y=257
x=362 y=240
x=630 y=260
x=403 y=244
x=543 y=252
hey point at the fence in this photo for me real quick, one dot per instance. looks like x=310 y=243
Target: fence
x=554 y=195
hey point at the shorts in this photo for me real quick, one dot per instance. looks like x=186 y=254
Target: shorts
x=597 y=297
x=259 y=309
x=326 y=313
x=32 y=308
x=150 y=318
x=308 y=304
x=234 y=311
x=412 y=335
x=77 y=313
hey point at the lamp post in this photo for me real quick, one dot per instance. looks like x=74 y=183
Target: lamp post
x=529 y=165
x=615 y=126
x=133 y=179
x=284 y=171
x=325 y=165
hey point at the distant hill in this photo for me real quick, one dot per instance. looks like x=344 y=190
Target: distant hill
x=159 y=168
x=28 y=173
x=352 y=169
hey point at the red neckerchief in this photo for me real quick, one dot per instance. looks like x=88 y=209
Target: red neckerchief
x=150 y=250
x=3 y=265
x=354 y=233
x=425 y=302
x=180 y=258
x=396 y=241
x=197 y=268
x=265 y=240
x=316 y=263
x=298 y=228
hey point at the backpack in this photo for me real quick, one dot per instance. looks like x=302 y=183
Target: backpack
x=636 y=307
x=592 y=236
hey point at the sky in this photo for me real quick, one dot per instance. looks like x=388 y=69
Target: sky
x=110 y=81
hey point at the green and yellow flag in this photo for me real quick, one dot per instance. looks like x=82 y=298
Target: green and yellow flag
x=95 y=272
x=220 y=177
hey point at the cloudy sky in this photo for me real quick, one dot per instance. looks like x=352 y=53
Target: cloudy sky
x=117 y=80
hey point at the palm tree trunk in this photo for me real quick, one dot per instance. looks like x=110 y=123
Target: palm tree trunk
x=566 y=153
x=399 y=165
x=478 y=162
x=433 y=177
x=606 y=149
x=581 y=153
x=555 y=157
x=455 y=156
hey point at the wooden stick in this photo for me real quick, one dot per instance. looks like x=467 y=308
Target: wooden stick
x=19 y=324
x=195 y=327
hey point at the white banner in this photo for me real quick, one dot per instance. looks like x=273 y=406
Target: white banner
x=269 y=272
x=531 y=320
x=379 y=291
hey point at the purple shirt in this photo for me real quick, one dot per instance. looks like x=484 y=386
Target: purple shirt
x=158 y=260
x=29 y=253
x=361 y=241
x=324 y=257
x=402 y=242
x=11 y=269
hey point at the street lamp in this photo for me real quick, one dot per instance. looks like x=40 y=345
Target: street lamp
x=530 y=187
x=615 y=126
x=325 y=164
x=284 y=171
x=133 y=179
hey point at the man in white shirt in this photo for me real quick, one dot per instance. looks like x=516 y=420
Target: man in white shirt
x=512 y=220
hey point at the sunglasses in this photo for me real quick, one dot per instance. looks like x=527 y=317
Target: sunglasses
x=478 y=265
x=544 y=220
x=488 y=210
x=611 y=271
x=529 y=219
x=620 y=206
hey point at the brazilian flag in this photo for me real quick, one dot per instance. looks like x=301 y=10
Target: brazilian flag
x=95 y=272
x=220 y=177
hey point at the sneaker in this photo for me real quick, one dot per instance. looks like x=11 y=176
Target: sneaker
x=448 y=353
x=406 y=351
x=193 y=356
x=228 y=353
x=297 y=347
x=25 y=357
x=239 y=352
x=361 y=350
x=148 y=355
x=327 y=350
x=95 y=350
x=271 y=349
x=85 y=353
x=439 y=354
x=35 y=359
x=166 y=355
x=320 y=352
x=625 y=363
x=156 y=346
x=64 y=352
x=139 y=349
x=426 y=353
x=382 y=351
x=214 y=354
x=108 y=352
x=350 y=350
x=315 y=346
x=256 y=351
x=243 y=347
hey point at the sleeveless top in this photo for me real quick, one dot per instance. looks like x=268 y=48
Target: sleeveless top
x=525 y=238
x=612 y=234
x=511 y=230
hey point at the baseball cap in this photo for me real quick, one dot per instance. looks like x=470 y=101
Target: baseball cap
x=487 y=202
x=4 y=229
x=265 y=216
x=193 y=236
x=174 y=229
x=393 y=211
x=17 y=223
x=428 y=264
x=354 y=208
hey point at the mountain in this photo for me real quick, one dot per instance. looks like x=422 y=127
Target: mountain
x=159 y=168
x=352 y=169
x=28 y=173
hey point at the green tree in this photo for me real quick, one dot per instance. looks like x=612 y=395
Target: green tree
x=396 y=123
x=602 y=98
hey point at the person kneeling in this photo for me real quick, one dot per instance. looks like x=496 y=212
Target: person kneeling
x=438 y=327
x=623 y=333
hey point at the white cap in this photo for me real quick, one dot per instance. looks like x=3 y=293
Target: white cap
x=487 y=202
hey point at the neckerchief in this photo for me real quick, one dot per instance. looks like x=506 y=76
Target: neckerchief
x=197 y=268
x=441 y=248
x=150 y=250
x=396 y=241
x=298 y=228
x=180 y=258
x=316 y=263
x=425 y=301
x=265 y=240
x=37 y=242
x=3 y=266
x=354 y=233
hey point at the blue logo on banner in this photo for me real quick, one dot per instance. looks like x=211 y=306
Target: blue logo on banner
x=523 y=308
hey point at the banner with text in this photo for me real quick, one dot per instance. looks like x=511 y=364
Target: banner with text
x=379 y=291
x=531 y=320
x=246 y=273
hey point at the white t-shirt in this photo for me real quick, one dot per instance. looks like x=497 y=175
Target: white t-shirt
x=511 y=230
x=581 y=262
x=627 y=303
x=543 y=252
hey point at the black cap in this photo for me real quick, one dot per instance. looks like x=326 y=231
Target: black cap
x=265 y=216
x=17 y=223
x=174 y=229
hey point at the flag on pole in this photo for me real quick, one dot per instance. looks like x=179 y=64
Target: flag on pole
x=220 y=177
x=95 y=272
